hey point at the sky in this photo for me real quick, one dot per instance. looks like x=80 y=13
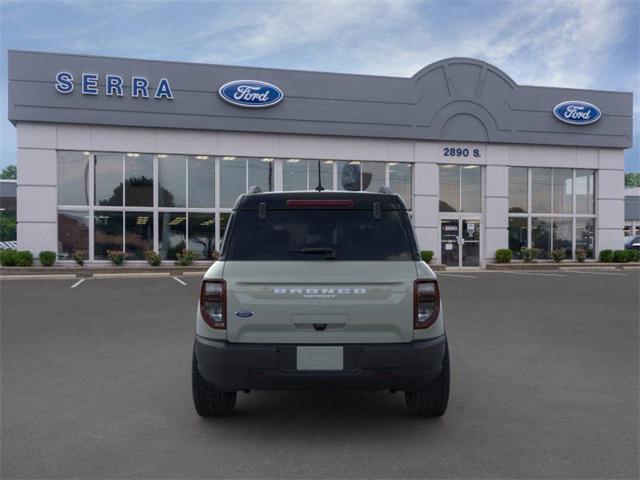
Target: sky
x=561 y=43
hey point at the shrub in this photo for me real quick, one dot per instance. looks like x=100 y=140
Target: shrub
x=558 y=255
x=24 y=258
x=215 y=255
x=117 y=257
x=426 y=255
x=633 y=255
x=526 y=254
x=47 y=258
x=153 y=258
x=185 y=258
x=503 y=255
x=606 y=256
x=620 y=256
x=79 y=256
x=8 y=258
x=581 y=254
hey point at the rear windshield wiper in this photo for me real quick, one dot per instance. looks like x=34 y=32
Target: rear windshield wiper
x=329 y=252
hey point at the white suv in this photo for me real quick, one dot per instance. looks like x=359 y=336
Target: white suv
x=320 y=290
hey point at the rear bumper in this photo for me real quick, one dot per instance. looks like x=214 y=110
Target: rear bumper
x=402 y=366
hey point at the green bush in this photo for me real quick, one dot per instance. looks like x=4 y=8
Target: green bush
x=558 y=255
x=581 y=254
x=8 y=258
x=153 y=258
x=606 y=256
x=503 y=255
x=529 y=254
x=79 y=256
x=620 y=256
x=47 y=258
x=215 y=255
x=633 y=255
x=426 y=255
x=185 y=258
x=24 y=258
x=117 y=257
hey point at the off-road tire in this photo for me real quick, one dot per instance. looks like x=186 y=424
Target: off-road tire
x=207 y=399
x=432 y=400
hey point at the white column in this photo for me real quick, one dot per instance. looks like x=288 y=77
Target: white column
x=610 y=200
x=37 y=188
x=496 y=210
x=426 y=188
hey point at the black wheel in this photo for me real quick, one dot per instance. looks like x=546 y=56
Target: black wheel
x=431 y=401
x=208 y=400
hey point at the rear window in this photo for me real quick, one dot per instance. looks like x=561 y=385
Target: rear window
x=319 y=235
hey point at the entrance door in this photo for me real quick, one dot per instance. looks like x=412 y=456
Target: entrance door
x=460 y=242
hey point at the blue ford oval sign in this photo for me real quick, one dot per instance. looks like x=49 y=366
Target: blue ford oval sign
x=244 y=314
x=577 y=112
x=251 y=93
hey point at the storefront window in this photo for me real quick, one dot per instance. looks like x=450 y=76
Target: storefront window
x=373 y=176
x=400 y=181
x=73 y=178
x=138 y=172
x=562 y=190
x=172 y=188
x=585 y=235
x=107 y=233
x=73 y=233
x=541 y=190
x=224 y=221
x=172 y=231
x=562 y=235
x=261 y=173
x=202 y=234
x=449 y=188
x=294 y=174
x=138 y=234
x=233 y=180
x=585 y=192
x=202 y=178
x=471 y=191
x=541 y=235
x=326 y=174
x=349 y=176
x=108 y=179
x=517 y=235
x=518 y=190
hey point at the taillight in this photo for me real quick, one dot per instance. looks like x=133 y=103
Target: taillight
x=213 y=303
x=426 y=303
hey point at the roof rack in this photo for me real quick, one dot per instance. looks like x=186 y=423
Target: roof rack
x=254 y=189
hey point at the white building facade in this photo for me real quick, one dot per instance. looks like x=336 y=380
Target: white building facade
x=482 y=163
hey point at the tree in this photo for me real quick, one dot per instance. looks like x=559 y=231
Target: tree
x=632 y=180
x=9 y=173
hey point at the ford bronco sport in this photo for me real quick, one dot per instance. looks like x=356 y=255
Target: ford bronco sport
x=320 y=290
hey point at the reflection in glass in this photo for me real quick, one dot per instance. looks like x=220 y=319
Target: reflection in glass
x=349 y=177
x=294 y=174
x=172 y=232
x=202 y=182
x=400 y=181
x=541 y=235
x=261 y=173
x=562 y=232
x=585 y=191
x=73 y=233
x=233 y=180
x=107 y=233
x=562 y=190
x=326 y=174
x=471 y=188
x=585 y=235
x=518 y=190
x=171 y=178
x=449 y=246
x=449 y=188
x=73 y=178
x=138 y=173
x=224 y=221
x=202 y=235
x=138 y=237
x=541 y=190
x=373 y=176
x=517 y=235
x=108 y=179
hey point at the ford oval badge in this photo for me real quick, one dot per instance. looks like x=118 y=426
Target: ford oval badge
x=250 y=93
x=577 y=112
x=244 y=314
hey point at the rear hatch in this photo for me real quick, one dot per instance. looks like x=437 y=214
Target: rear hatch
x=314 y=272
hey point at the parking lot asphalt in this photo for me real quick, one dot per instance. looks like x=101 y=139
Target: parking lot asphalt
x=96 y=384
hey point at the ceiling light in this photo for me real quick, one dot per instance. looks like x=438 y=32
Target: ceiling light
x=267 y=159
x=355 y=162
x=133 y=154
x=177 y=220
x=293 y=160
x=470 y=166
x=228 y=158
x=202 y=157
x=162 y=155
x=393 y=164
x=329 y=162
x=447 y=166
x=86 y=153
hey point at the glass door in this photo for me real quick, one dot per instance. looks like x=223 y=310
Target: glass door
x=470 y=243
x=460 y=242
x=449 y=246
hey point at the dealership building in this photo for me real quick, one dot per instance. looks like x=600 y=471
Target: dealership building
x=138 y=155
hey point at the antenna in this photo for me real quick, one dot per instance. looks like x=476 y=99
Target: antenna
x=319 y=188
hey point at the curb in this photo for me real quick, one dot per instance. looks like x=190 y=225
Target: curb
x=561 y=266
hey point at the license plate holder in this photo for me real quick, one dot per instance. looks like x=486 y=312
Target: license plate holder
x=320 y=358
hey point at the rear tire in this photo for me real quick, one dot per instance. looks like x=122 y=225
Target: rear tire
x=208 y=400
x=432 y=400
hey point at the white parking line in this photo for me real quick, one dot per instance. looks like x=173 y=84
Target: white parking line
x=78 y=283
x=455 y=275
x=538 y=274
x=598 y=273
x=178 y=280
